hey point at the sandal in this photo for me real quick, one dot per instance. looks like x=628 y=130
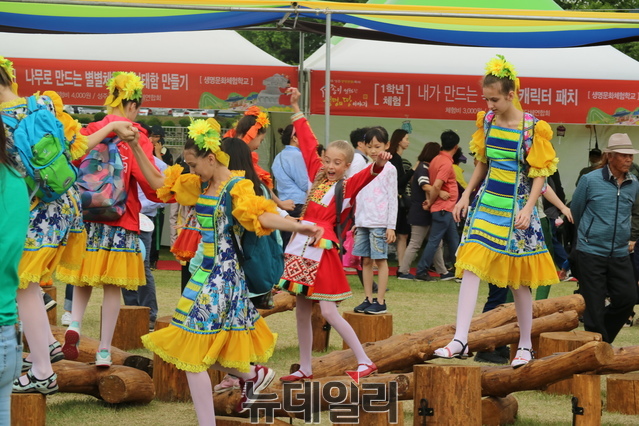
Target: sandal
x=297 y=376
x=519 y=361
x=370 y=369
x=55 y=357
x=46 y=386
x=462 y=354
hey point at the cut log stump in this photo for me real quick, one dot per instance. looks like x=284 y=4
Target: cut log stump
x=370 y=328
x=623 y=393
x=586 y=399
x=564 y=341
x=321 y=329
x=496 y=411
x=132 y=324
x=459 y=404
x=52 y=313
x=28 y=409
x=169 y=382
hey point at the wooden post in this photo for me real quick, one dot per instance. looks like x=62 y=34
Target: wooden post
x=376 y=419
x=496 y=411
x=564 y=341
x=170 y=382
x=52 y=313
x=28 y=409
x=321 y=329
x=447 y=394
x=622 y=395
x=132 y=324
x=587 y=394
x=370 y=328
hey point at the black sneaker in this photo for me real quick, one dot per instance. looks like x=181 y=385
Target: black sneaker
x=493 y=357
x=49 y=303
x=363 y=306
x=375 y=308
x=450 y=275
x=408 y=277
x=425 y=277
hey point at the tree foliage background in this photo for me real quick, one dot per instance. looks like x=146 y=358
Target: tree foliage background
x=284 y=44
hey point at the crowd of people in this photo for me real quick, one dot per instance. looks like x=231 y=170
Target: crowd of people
x=339 y=206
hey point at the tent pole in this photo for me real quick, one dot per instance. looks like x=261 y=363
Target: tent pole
x=327 y=81
x=300 y=74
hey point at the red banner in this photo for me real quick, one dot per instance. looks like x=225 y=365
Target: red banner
x=459 y=97
x=168 y=85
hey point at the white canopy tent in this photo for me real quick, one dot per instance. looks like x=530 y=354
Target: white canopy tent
x=600 y=63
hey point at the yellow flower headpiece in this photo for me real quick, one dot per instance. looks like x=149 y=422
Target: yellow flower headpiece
x=501 y=68
x=206 y=134
x=7 y=66
x=129 y=87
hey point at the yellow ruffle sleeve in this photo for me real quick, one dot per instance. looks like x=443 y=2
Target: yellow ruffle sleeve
x=247 y=207
x=77 y=141
x=185 y=188
x=542 y=158
x=478 y=140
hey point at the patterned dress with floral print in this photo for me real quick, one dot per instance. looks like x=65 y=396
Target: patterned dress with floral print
x=56 y=233
x=215 y=321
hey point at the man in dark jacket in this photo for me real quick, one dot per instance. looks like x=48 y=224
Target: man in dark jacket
x=601 y=207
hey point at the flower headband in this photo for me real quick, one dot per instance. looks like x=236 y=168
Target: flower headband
x=501 y=68
x=206 y=134
x=7 y=66
x=128 y=85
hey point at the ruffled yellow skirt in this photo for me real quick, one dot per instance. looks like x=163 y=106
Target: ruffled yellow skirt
x=195 y=352
x=502 y=270
x=112 y=256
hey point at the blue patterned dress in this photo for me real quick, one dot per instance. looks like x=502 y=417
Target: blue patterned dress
x=215 y=320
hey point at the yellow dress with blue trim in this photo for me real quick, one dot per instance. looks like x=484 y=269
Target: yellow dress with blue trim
x=491 y=246
x=215 y=321
x=56 y=237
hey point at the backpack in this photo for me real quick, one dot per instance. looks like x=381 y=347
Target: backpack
x=261 y=258
x=101 y=183
x=42 y=146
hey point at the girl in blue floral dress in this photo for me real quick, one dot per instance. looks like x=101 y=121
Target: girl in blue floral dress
x=502 y=241
x=215 y=324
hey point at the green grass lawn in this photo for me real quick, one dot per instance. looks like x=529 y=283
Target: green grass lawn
x=414 y=305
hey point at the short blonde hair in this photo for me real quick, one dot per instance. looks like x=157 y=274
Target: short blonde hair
x=345 y=147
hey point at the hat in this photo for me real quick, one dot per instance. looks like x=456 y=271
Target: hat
x=620 y=143
x=157 y=130
x=594 y=151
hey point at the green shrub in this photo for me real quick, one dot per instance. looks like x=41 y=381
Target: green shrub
x=141 y=121
x=168 y=123
x=154 y=121
x=184 y=122
x=98 y=116
x=84 y=119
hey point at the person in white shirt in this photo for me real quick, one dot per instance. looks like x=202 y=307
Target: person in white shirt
x=375 y=218
x=360 y=160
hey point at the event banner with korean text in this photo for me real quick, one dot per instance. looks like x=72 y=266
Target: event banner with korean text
x=170 y=85
x=459 y=97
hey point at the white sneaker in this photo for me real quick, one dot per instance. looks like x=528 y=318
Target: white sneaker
x=66 y=319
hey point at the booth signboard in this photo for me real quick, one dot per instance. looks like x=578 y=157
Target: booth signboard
x=175 y=85
x=459 y=97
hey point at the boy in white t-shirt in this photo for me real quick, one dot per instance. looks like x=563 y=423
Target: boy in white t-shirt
x=375 y=219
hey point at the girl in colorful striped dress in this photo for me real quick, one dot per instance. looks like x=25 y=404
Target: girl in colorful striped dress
x=503 y=241
x=215 y=324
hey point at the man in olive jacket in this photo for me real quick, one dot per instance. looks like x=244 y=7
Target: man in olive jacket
x=601 y=207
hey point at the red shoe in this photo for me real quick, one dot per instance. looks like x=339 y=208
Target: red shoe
x=296 y=377
x=370 y=369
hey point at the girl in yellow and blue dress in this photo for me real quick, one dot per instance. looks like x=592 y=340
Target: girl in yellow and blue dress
x=503 y=241
x=215 y=324
x=55 y=236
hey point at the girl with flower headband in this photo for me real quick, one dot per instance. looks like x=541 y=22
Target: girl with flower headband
x=502 y=241
x=215 y=324
x=252 y=129
x=55 y=237
x=112 y=258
